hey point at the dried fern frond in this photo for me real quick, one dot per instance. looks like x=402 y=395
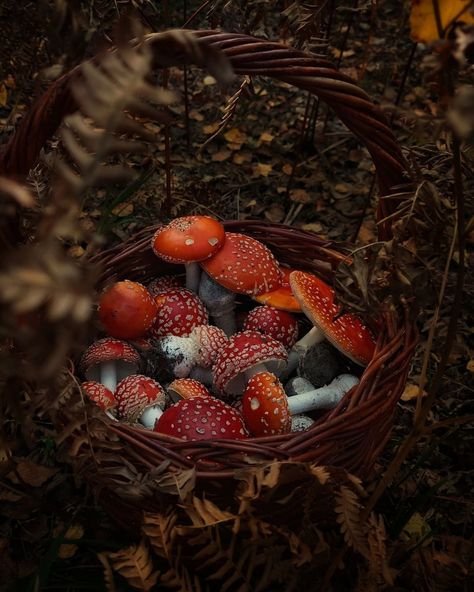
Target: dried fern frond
x=203 y=512
x=110 y=94
x=348 y=510
x=160 y=531
x=229 y=110
x=17 y=192
x=108 y=573
x=136 y=566
x=305 y=20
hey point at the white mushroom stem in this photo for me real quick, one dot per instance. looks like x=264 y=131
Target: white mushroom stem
x=193 y=274
x=325 y=397
x=150 y=415
x=220 y=302
x=313 y=336
x=108 y=374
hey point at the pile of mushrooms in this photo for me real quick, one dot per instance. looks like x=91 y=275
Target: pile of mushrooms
x=222 y=357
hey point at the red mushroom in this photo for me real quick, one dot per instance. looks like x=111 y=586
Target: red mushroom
x=246 y=354
x=140 y=398
x=99 y=394
x=243 y=266
x=109 y=360
x=202 y=418
x=347 y=333
x=127 y=310
x=282 y=297
x=277 y=323
x=178 y=312
x=187 y=240
x=186 y=388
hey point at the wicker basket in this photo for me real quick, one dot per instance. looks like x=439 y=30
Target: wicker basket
x=353 y=434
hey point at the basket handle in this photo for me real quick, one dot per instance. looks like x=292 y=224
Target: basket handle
x=252 y=56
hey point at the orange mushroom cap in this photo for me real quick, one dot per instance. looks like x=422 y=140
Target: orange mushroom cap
x=281 y=298
x=265 y=406
x=187 y=388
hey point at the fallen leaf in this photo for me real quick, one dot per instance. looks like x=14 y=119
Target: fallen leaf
x=423 y=21
x=367 y=232
x=411 y=392
x=275 y=213
x=342 y=188
x=34 y=474
x=221 y=155
x=235 y=136
x=193 y=114
x=417 y=529
x=287 y=169
x=300 y=196
x=3 y=95
x=266 y=137
x=262 y=170
x=76 y=251
x=470 y=366
x=211 y=128
x=312 y=227
x=242 y=157
x=209 y=80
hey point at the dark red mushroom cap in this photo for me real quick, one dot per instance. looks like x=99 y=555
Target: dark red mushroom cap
x=99 y=394
x=282 y=297
x=187 y=388
x=210 y=340
x=265 y=406
x=202 y=418
x=244 y=265
x=347 y=333
x=136 y=393
x=242 y=352
x=179 y=311
x=108 y=349
x=277 y=323
x=188 y=239
x=127 y=310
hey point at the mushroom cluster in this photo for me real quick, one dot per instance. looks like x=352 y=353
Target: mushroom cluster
x=220 y=357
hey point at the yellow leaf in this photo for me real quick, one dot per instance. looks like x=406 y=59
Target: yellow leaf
x=423 y=20
x=241 y=157
x=194 y=114
x=76 y=531
x=221 y=155
x=262 y=170
x=266 y=137
x=209 y=80
x=235 y=136
x=3 y=95
x=470 y=366
x=411 y=392
x=416 y=528
x=300 y=196
x=211 y=128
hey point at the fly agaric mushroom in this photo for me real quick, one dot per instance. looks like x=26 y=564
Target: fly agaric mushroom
x=267 y=409
x=162 y=284
x=178 y=312
x=243 y=266
x=282 y=297
x=109 y=360
x=300 y=423
x=347 y=333
x=200 y=348
x=186 y=388
x=140 y=398
x=244 y=355
x=202 y=418
x=100 y=395
x=188 y=240
x=127 y=310
x=277 y=323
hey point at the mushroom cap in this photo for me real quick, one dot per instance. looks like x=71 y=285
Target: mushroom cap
x=127 y=310
x=178 y=353
x=277 y=323
x=99 y=394
x=347 y=333
x=108 y=349
x=265 y=406
x=202 y=418
x=178 y=312
x=300 y=423
x=281 y=298
x=242 y=352
x=136 y=393
x=162 y=284
x=210 y=340
x=188 y=239
x=186 y=388
x=244 y=265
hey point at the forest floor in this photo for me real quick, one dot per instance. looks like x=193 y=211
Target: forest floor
x=264 y=165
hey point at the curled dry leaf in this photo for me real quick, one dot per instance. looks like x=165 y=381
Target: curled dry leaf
x=34 y=474
x=136 y=566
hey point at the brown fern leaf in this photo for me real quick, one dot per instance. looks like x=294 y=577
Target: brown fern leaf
x=305 y=20
x=229 y=110
x=160 y=531
x=380 y=571
x=348 y=516
x=109 y=95
x=108 y=573
x=321 y=474
x=203 y=512
x=135 y=565
x=180 y=579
